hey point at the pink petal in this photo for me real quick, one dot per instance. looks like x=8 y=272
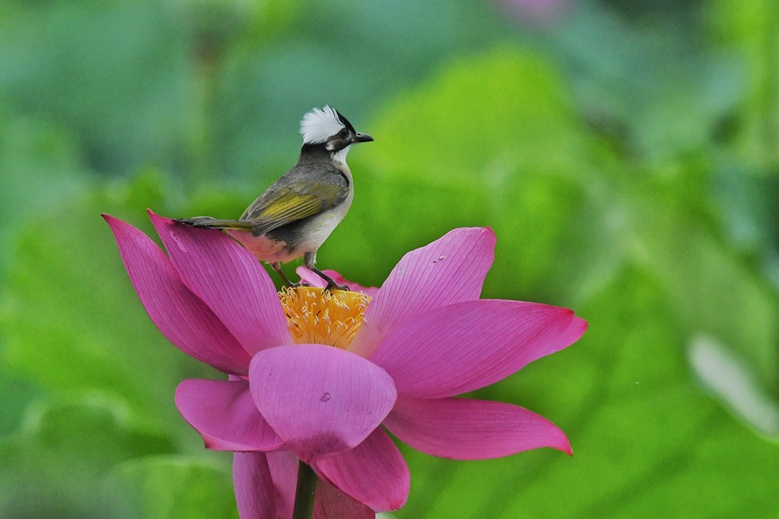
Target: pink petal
x=230 y=280
x=466 y=346
x=254 y=492
x=182 y=317
x=373 y=473
x=311 y=279
x=225 y=415
x=331 y=503
x=449 y=270
x=464 y=429
x=320 y=400
x=284 y=471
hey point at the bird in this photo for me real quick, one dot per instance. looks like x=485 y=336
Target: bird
x=298 y=212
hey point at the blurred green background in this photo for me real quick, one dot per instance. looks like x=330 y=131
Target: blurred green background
x=626 y=154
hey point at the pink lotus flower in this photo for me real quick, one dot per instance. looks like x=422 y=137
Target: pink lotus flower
x=314 y=377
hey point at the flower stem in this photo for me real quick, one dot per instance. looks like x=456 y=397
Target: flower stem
x=304 y=494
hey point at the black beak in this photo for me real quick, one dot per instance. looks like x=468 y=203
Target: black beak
x=362 y=137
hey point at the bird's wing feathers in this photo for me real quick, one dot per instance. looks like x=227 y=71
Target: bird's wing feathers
x=295 y=197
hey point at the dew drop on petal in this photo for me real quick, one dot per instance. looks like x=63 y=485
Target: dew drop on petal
x=325 y=397
x=177 y=239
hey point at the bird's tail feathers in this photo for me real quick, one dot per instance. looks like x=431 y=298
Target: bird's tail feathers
x=207 y=222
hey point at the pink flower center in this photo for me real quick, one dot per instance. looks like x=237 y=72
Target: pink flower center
x=316 y=315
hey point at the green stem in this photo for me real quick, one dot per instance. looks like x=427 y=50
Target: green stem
x=304 y=494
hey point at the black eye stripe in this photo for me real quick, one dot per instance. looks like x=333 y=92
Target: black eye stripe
x=345 y=121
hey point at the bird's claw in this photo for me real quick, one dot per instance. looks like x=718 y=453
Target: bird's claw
x=334 y=286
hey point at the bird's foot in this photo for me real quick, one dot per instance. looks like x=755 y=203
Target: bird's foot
x=331 y=285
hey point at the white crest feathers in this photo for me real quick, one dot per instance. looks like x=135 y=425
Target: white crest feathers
x=319 y=124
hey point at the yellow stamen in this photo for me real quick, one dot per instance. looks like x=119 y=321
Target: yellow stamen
x=316 y=315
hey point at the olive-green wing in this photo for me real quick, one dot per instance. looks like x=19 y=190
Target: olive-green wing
x=295 y=199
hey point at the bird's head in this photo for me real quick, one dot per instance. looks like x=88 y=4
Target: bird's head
x=328 y=127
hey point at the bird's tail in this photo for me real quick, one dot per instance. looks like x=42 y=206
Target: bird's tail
x=206 y=222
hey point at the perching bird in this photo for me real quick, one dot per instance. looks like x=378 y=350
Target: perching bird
x=296 y=214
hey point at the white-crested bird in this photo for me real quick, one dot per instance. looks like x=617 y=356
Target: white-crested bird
x=297 y=213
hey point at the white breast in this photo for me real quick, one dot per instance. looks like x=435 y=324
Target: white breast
x=319 y=228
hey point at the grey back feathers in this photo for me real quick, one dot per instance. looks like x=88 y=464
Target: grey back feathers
x=304 y=191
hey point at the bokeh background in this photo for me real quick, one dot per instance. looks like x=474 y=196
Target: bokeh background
x=626 y=154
